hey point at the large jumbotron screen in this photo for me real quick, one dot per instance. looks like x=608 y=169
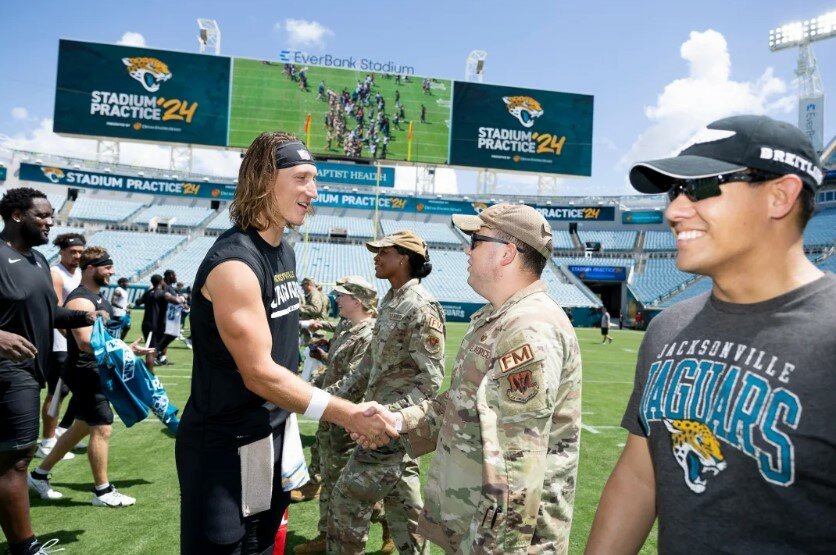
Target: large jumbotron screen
x=265 y=97
x=135 y=93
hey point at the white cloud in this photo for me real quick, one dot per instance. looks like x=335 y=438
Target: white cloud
x=43 y=140
x=708 y=93
x=20 y=113
x=132 y=39
x=305 y=34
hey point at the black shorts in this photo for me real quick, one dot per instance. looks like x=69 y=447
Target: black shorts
x=54 y=370
x=91 y=405
x=211 y=521
x=605 y=331
x=20 y=410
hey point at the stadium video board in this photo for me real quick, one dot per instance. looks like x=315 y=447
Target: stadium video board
x=344 y=112
x=141 y=94
x=519 y=129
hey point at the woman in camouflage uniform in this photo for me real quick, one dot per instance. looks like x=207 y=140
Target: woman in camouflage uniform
x=357 y=302
x=404 y=365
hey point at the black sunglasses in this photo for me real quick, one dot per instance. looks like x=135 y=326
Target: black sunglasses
x=475 y=238
x=701 y=188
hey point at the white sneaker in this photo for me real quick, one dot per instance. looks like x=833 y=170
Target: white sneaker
x=49 y=547
x=43 y=488
x=46 y=447
x=112 y=499
x=59 y=431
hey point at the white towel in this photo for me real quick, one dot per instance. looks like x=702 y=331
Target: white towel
x=311 y=365
x=294 y=470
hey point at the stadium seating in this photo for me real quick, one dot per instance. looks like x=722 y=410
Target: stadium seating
x=186 y=216
x=828 y=264
x=659 y=241
x=610 y=240
x=103 y=209
x=57 y=201
x=821 y=229
x=592 y=261
x=562 y=240
x=221 y=222
x=135 y=252
x=187 y=261
x=566 y=294
x=697 y=288
x=322 y=224
x=431 y=232
x=659 y=277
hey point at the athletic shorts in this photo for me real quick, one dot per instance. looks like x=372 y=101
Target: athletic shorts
x=91 y=405
x=54 y=370
x=211 y=521
x=20 y=410
x=605 y=331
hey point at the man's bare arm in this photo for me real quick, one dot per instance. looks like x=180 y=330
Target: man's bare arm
x=628 y=504
x=235 y=293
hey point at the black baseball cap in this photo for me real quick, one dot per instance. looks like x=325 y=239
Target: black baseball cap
x=731 y=145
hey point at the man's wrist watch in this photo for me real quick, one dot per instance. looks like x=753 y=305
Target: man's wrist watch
x=398 y=424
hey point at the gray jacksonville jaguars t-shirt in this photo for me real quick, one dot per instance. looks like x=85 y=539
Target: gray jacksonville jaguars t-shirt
x=738 y=403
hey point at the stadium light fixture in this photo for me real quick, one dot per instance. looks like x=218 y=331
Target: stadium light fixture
x=803 y=32
x=107 y=170
x=140 y=174
x=206 y=179
x=209 y=35
x=39 y=161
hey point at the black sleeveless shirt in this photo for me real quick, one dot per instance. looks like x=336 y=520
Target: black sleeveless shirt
x=221 y=412
x=76 y=358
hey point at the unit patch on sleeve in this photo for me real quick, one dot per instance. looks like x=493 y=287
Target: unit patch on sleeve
x=522 y=386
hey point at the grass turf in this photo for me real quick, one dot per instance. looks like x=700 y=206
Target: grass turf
x=266 y=100
x=142 y=463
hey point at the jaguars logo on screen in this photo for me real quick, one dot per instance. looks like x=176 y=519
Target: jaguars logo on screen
x=150 y=72
x=139 y=111
x=524 y=108
x=56 y=175
x=520 y=144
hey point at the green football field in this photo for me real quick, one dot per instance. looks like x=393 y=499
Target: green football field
x=142 y=463
x=265 y=99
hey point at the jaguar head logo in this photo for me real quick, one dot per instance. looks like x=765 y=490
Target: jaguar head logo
x=524 y=108
x=55 y=175
x=150 y=72
x=696 y=450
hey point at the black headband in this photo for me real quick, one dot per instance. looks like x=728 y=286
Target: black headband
x=291 y=154
x=72 y=242
x=104 y=260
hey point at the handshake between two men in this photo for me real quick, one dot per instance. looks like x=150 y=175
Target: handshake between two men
x=373 y=425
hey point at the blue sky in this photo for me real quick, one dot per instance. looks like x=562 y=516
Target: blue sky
x=658 y=70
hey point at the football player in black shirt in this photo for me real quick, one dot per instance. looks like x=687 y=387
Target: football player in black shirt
x=28 y=312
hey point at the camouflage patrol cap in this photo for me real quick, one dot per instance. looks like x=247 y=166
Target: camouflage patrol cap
x=517 y=220
x=357 y=287
x=404 y=238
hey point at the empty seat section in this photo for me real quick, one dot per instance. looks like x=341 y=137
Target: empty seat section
x=103 y=210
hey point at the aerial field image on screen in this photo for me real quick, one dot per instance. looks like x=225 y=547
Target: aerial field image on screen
x=352 y=113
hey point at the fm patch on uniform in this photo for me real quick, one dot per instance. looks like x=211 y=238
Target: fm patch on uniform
x=522 y=386
x=435 y=324
x=516 y=357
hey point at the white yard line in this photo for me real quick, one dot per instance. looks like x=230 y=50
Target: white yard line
x=608 y=381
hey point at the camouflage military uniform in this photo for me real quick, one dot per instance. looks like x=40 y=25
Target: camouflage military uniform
x=506 y=433
x=316 y=306
x=403 y=366
x=335 y=445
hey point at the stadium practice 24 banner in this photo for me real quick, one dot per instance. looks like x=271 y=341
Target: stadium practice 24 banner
x=141 y=94
x=521 y=129
x=127 y=183
x=394 y=203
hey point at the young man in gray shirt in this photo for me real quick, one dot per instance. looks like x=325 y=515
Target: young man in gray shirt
x=732 y=444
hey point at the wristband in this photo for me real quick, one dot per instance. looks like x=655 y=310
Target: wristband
x=319 y=401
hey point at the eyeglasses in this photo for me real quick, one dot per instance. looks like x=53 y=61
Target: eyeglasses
x=475 y=238
x=702 y=188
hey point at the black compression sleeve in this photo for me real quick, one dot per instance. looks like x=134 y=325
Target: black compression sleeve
x=69 y=319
